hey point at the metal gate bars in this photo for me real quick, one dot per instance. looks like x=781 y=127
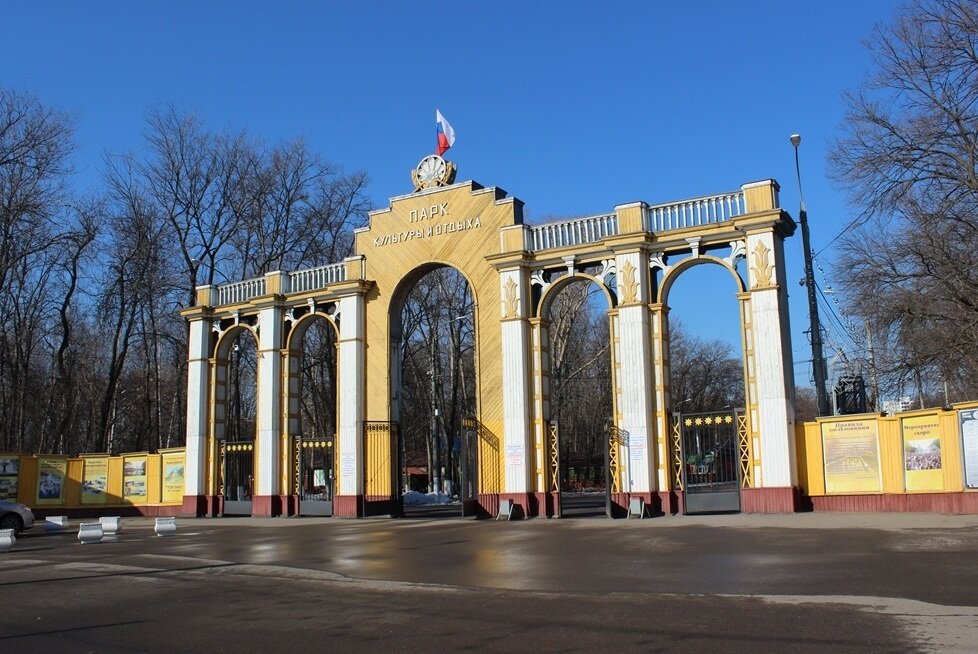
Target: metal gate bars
x=710 y=466
x=382 y=465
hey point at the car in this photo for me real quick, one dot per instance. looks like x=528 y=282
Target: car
x=16 y=516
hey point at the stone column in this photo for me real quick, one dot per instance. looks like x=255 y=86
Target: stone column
x=351 y=391
x=776 y=488
x=198 y=411
x=268 y=491
x=517 y=442
x=634 y=362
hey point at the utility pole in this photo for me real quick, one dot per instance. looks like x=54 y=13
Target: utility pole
x=874 y=375
x=818 y=359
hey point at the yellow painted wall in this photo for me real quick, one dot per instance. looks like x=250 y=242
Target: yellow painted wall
x=75 y=470
x=810 y=455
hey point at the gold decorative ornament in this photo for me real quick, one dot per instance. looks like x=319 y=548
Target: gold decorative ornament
x=433 y=171
x=628 y=285
x=763 y=269
x=510 y=301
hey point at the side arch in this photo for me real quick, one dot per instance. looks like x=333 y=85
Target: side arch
x=674 y=271
x=293 y=341
x=227 y=337
x=661 y=343
x=231 y=485
x=550 y=291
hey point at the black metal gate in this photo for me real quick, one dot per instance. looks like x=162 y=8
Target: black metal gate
x=613 y=444
x=314 y=475
x=237 y=467
x=468 y=463
x=710 y=459
x=382 y=465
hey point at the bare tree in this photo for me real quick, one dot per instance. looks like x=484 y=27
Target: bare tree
x=35 y=234
x=909 y=157
x=707 y=375
x=438 y=370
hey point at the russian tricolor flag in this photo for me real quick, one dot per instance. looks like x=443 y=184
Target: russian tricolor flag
x=446 y=135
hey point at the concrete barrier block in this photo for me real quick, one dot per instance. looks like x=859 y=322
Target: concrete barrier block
x=166 y=526
x=7 y=539
x=111 y=524
x=56 y=523
x=90 y=532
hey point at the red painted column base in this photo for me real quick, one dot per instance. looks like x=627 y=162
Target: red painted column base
x=202 y=505
x=653 y=503
x=347 y=506
x=783 y=499
x=670 y=502
x=527 y=502
x=546 y=503
x=488 y=505
x=266 y=505
x=195 y=505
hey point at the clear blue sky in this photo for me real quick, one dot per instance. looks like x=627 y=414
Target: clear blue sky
x=573 y=107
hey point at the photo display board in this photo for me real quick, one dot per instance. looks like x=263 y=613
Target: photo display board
x=134 y=479
x=9 y=473
x=922 y=464
x=51 y=480
x=851 y=456
x=95 y=480
x=173 y=475
x=968 y=424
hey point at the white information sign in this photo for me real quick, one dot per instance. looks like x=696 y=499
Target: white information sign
x=969 y=446
x=514 y=455
x=348 y=464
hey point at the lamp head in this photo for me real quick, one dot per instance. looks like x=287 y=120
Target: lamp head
x=795 y=139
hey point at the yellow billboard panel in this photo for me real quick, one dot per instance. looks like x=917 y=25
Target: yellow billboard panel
x=134 y=479
x=851 y=455
x=173 y=475
x=95 y=480
x=9 y=472
x=51 y=480
x=922 y=463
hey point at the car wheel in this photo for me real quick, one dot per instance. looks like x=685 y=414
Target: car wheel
x=12 y=521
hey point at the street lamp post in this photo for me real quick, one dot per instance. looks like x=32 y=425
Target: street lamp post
x=435 y=444
x=818 y=359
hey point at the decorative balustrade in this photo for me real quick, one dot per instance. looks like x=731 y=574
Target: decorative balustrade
x=241 y=291
x=578 y=231
x=660 y=218
x=696 y=212
x=313 y=279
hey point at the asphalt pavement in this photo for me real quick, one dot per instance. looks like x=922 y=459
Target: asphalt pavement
x=725 y=583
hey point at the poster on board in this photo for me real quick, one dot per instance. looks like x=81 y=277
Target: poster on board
x=51 y=481
x=851 y=456
x=9 y=472
x=968 y=423
x=95 y=480
x=134 y=479
x=922 y=463
x=173 y=473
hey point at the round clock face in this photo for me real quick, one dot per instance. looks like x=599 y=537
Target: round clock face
x=432 y=168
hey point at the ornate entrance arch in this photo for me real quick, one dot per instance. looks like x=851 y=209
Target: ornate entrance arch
x=512 y=269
